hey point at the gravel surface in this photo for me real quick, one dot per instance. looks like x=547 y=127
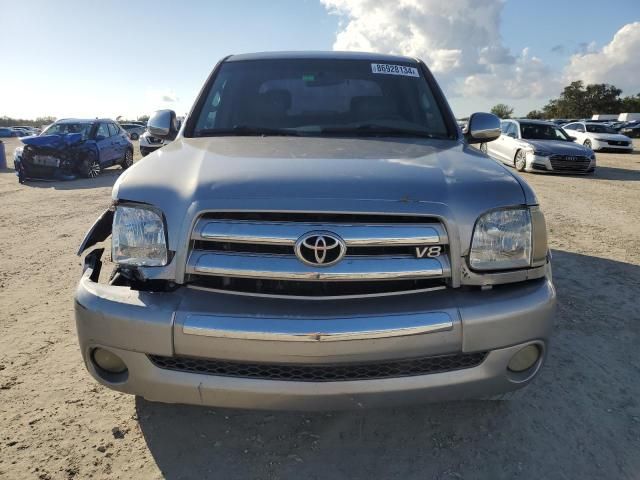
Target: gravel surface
x=579 y=419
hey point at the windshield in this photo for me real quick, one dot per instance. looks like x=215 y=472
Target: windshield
x=306 y=97
x=64 y=128
x=532 y=131
x=599 y=129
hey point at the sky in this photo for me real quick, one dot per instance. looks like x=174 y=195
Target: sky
x=75 y=58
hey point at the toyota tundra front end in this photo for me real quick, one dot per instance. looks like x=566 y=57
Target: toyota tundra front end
x=318 y=235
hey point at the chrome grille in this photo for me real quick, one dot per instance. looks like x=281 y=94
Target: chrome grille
x=322 y=372
x=256 y=254
x=567 y=163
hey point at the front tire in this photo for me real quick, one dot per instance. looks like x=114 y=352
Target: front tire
x=135 y=136
x=91 y=167
x=483 y=148
x=520 y=162
x=127 y=161
x=588 y=144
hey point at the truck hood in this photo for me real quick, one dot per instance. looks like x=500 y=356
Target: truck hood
x=435 y=177
x=56 y=142
x=559 y=147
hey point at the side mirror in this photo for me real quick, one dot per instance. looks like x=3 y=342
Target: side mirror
x=482 y=128
x=163 y=124
x=572 y=137
x=100 y=137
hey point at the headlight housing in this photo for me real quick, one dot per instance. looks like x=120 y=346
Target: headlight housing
x=502 y=240
x=138 y=237
x=541 y=153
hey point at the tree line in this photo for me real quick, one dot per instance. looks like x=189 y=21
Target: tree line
x=578 y=100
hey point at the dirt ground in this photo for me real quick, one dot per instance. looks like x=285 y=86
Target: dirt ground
x=580 y=418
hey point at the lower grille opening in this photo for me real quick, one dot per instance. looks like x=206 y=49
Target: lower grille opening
x=312 y=289
x=321 y=372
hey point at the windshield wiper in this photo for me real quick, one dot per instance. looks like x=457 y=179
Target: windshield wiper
x=382 y=130
x=245 y=130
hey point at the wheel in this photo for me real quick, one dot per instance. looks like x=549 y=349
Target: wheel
x=91 y=167
x=587 y=143
x=143 y=151
x=520 y=161
x=135 y=136
x=483 y=148
x=127 y=161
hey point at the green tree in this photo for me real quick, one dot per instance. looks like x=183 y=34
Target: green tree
x=143 y=118
x=580 y=101
x=502 y=110
x=631 y=104
x=536 y=115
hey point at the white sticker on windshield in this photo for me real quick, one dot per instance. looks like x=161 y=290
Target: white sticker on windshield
x=394 y=70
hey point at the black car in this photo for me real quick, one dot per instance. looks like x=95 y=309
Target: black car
x=72 y=147
x=631 y=129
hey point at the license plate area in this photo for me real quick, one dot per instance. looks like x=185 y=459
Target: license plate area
x=46 y=161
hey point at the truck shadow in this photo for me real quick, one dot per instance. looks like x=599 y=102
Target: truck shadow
x=583 y=405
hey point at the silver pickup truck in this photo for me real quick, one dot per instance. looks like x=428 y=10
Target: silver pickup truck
x=318 y=235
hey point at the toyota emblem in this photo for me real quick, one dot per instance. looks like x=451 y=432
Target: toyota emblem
x=320 y=249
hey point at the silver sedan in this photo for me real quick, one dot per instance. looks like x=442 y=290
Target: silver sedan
x=538 y=146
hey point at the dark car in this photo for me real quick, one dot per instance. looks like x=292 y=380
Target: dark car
x=134 y=130
x=631 y=129
x=73 y=147
x=8 y=132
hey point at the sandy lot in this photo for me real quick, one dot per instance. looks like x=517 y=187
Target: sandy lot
x=580 y=419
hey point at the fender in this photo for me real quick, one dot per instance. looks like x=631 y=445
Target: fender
x=98 y=232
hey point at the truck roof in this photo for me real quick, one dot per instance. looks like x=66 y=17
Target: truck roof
x=320 y=55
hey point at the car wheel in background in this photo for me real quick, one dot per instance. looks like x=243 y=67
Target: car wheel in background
x=520 y=161
x=91 y=167
x=587 y=143
x=135 y=136
x=483 y=148
x=127 y=161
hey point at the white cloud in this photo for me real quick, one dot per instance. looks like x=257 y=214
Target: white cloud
x=458 y=39
x=617 y=63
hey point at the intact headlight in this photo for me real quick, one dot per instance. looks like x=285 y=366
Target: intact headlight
x=138 y=237
x=502 y=239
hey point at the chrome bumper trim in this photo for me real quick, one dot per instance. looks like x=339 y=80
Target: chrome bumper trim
x=288 y=267
x=316 y=330
x=283 y=233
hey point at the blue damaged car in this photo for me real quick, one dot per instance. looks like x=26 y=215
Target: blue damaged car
x=70 y=148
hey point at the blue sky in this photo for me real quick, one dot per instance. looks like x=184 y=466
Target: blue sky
x=78 y=58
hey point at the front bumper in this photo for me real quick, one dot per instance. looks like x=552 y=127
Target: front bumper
x=540 y=164
x=135 y=324
x=607 y=147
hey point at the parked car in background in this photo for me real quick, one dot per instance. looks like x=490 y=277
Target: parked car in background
x=599 y=137
x=539 y=146
x=134 y=130
x=28 y=130
x=319 y=235
x=149 y=143
x=6 y=132
x=630 y=129
x=72 y=147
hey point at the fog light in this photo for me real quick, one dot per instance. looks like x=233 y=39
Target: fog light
x=107 y=361
x=524 y=359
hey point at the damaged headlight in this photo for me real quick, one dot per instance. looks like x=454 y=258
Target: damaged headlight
x=502 y=240
x=138 y=237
